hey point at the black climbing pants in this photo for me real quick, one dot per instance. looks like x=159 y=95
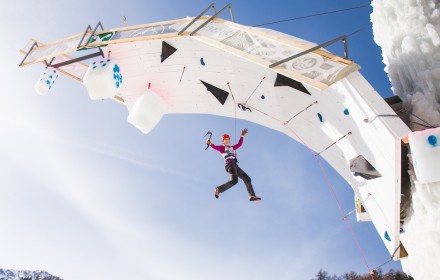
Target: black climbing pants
x=236 y=172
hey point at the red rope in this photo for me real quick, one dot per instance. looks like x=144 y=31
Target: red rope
x=317 y=157
x=235 y=122
x=347 y=221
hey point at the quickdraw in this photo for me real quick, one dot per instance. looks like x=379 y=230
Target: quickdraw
x=243 y=107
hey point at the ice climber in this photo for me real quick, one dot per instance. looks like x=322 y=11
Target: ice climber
x=231 y=166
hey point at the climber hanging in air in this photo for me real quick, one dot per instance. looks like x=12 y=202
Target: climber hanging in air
x=230 y=157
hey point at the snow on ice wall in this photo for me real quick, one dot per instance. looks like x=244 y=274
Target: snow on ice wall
x=102 y=79
x=409 y=34
x=425 y=150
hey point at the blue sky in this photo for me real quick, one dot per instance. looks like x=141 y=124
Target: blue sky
x=85 y=195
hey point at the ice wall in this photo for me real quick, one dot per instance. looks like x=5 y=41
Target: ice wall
x=408 y=31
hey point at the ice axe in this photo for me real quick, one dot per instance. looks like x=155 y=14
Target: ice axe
x=210 y=135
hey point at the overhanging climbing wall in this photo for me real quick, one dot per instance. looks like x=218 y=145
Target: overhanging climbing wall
x=318 y=98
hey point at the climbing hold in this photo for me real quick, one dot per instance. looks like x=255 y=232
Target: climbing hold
x=202 y=61
x=432 y=140
x=387 y=237
x=346 y=112
x=244 y=108
x=320 y=117
x=167 y=51
x=263 y=97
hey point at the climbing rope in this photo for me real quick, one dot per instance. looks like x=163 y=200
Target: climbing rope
x=235 y=115
x=330 y=185
x=254 y=91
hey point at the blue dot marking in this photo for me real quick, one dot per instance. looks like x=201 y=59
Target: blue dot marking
x=346 y=112
x=387 y=237
x=320 y=117
x=432 y=140
x=202 y=61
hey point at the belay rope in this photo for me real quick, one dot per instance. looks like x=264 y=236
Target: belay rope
x=246 y=107
x=235 y=117
x=330 y=185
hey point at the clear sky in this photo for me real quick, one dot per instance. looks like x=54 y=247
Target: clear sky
x=85 y=195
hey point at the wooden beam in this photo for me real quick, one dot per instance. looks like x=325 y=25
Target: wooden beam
x=279 y=69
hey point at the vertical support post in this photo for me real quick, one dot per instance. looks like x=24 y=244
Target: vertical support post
x=50 y=62
x=89 y=28
x=197 y=17
x=30 y=50
x=343 y=37
x=210 y=19
x=345 y=48
x=84 y=35
x=232 y=13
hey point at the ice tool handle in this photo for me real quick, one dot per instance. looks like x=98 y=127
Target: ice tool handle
x=210 y=135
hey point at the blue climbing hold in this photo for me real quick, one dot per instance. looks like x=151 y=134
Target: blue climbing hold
x=320 y=117
x=202 y=61
x=387 y=237
x=263 y=97
x=432 y=140
x=346 y=112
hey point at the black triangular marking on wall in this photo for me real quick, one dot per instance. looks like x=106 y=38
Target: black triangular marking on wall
x=167 y=51
x=286 y=81
x=218 y=93
x=360 y=166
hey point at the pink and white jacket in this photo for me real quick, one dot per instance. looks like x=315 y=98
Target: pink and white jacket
x=228 y=152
